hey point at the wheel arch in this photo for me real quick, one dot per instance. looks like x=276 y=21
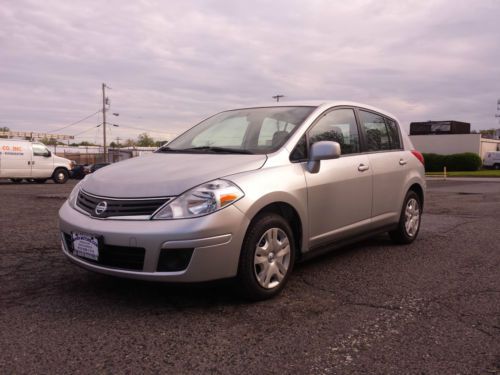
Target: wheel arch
x=417 y=188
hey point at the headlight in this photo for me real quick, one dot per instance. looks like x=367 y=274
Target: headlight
x=74 y=195
x=201 y=200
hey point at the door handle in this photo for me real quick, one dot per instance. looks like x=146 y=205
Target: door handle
x=363 y=167
x=402 y=162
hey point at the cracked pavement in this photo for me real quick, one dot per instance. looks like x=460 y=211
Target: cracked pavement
x=429 y=308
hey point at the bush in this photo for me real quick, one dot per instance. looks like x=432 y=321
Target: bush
x=467 y=161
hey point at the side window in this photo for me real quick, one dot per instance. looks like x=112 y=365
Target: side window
x=393 y=134
x=40 y=150
x=375 y=131
x=339 y=126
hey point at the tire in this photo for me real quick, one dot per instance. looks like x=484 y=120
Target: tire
x=40 y=180
x=60 y=176
x=16 y=180
x=409 y=221
x=496 y=166
x=260 y=252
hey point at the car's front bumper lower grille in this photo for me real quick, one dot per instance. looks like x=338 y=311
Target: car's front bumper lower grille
x=122 y=257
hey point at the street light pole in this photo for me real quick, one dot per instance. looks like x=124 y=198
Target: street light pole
x=104 y=121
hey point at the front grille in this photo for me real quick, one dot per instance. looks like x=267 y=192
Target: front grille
x=123 y=257
x=118 y=207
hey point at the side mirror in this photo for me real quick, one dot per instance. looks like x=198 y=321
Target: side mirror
x=48 y=154
x=323 y=150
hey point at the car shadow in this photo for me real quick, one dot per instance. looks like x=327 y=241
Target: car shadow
x=125 y=294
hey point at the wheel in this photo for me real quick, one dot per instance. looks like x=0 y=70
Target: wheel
x=60 y=176
x=409 y=221
x=496 y=166
x=40 y=180
x=267 y=257
x=16 y=180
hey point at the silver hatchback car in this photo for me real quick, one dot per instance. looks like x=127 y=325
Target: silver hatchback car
x=247 y=193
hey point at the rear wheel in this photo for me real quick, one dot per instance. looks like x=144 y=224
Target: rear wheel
x=409 y=221
x=496 y=166
x=16 y=180
x=267 y=257
x=60 y=176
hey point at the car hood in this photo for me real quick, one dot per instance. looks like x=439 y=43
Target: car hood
x=166 y=174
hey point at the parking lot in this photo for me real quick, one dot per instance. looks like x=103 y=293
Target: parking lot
x=432 y=307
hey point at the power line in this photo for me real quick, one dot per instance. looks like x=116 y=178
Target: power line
x=74 y=123
x=93 y=127
x=142 y=129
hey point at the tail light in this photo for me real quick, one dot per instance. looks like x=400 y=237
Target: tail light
x=419 y=156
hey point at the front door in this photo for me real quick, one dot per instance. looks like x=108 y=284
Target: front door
x=340 y=194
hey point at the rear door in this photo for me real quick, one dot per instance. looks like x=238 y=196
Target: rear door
x=43 y=162
x=340 y=194
x=388 y=160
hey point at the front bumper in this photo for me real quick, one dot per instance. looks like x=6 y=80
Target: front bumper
x=216 y=240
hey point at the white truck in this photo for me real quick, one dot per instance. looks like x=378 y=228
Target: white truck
x=31 y=161
x=492 y=160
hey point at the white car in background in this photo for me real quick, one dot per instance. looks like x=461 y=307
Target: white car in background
x=492 y=160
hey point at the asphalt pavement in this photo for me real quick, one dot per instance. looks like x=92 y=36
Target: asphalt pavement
x=429 y=308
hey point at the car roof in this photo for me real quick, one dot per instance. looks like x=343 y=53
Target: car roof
x=324 y=104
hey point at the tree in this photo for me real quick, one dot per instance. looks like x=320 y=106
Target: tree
x=160 y=143
x=129 y=143
x=50 y=142
x=4 y=129
x=144 y=140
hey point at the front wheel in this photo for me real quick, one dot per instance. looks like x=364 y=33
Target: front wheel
x=496 y=166
x=60 y=176
x=267 y=257
x=409 y=221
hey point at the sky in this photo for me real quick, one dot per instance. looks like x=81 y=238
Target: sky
x=170 y=64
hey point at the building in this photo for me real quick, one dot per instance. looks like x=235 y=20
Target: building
x=449 y=137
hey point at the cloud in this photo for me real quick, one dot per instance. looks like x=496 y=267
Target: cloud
x=173 y=63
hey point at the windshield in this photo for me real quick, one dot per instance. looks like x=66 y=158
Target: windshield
x=248 y=131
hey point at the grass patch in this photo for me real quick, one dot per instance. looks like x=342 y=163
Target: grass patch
x=480 y=173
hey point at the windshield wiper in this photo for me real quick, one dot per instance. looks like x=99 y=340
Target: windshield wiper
x=222 y=150
x=168 y=149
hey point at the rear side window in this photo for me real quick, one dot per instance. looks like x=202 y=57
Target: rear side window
x=375 y=130
x=339 y=126
x=393 y=134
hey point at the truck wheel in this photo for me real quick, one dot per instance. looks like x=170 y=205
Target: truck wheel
x=16 y=180
x=60 y=176
x=496 y=166
x=266 y=258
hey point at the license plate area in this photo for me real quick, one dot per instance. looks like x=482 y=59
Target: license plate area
x=86 y=245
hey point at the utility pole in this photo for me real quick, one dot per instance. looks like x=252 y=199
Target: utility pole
x=278 y=96
x=104 y=120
